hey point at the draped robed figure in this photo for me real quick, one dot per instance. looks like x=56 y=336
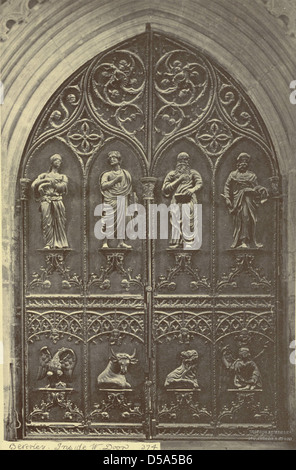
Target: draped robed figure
x=49 y=189
x=116 y=189
x=243 y=195
x=181 y=185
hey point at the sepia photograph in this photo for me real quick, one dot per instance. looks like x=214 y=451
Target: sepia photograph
x=148 y=197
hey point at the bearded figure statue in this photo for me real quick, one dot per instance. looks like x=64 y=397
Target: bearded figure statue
x=181 y=186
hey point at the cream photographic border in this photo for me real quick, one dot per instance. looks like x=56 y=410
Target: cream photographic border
x=72 y=32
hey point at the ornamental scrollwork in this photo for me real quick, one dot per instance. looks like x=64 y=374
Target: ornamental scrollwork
x=55 y=262
x=184 y=402
x=115 y=326
x=115 y=262
x=182 y=265
x=245 y=407
x=182 y=326
x=65 y=107
x=117 y=82
x=84 y=137
x=235 y=106
x=54 y=399
x=116 y=400
x=182 y=85
x=244 y=263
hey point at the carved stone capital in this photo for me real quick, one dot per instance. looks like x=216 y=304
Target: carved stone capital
x=148 y=183
x=274 y=186
x=25 y=188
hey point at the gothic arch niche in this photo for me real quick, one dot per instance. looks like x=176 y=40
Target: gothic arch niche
x=152 y=97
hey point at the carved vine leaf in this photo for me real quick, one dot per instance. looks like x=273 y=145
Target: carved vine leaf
x=115 y=263
x=183 y=402
x=55 y=262
x=244 y=263
x=115 y=401
x=116 y=87
x=182 y=87
x=246 y=403
x=182 y=265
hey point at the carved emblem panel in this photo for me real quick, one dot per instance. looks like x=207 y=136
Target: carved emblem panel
x=175 y=336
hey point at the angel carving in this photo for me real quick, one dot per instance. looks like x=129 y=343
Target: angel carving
x=58 y=369
x=246 y=373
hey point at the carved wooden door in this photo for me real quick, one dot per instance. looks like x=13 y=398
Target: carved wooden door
x=151 y=340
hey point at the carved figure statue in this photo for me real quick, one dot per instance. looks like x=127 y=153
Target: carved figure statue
x=58 y=368
x=185 y=376
x=114 y=184
x=49 y=189
x=243 y=196
x=114 y=376
x=246 y=372
x=181 y=185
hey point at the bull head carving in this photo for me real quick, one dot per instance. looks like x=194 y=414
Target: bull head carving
x=114 y=374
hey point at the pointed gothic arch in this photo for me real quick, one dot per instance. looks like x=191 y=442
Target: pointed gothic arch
x=151 y=97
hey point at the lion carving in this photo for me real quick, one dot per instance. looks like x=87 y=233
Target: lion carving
x=185 y=376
